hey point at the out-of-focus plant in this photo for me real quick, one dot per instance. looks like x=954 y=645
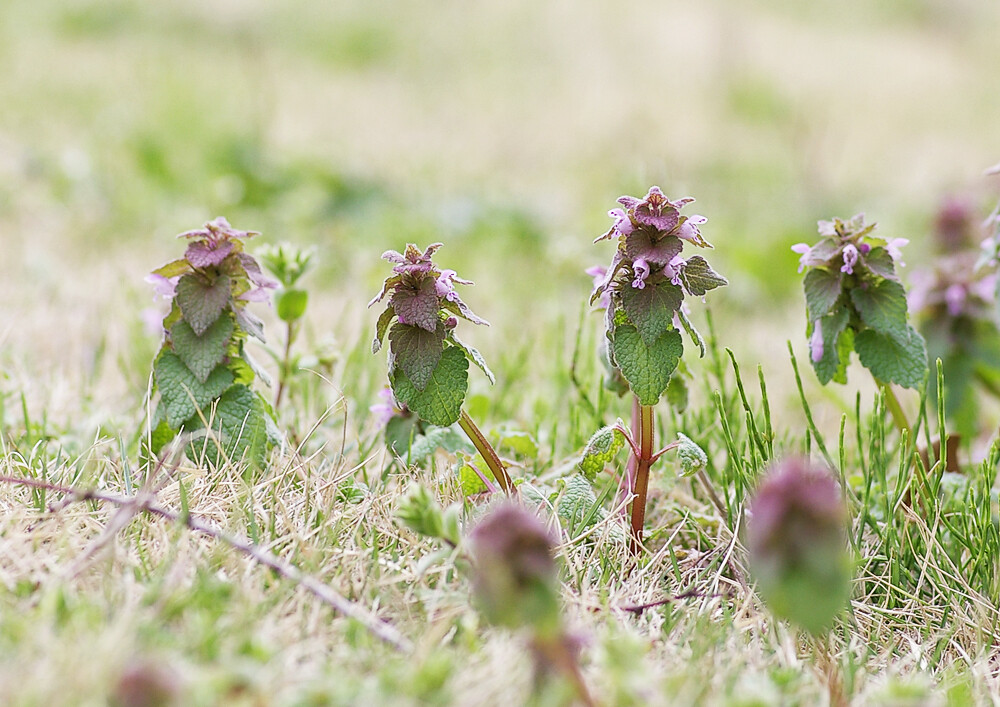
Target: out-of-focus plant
x=203 y=374
x=855 y=301
x=955 y=303
x=288 y=263
x=516 y=585
x=798 y=545
x=642 y=292
x=428 y=364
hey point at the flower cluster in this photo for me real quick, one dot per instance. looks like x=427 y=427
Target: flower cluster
x=797 y=540
x=643 y=289
x=203 y=373
x=854 y=300
x=849 y=244
x=428 y=365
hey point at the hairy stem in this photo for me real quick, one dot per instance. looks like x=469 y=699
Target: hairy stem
x=642 y=426
x=486 y=450
x=627 y=487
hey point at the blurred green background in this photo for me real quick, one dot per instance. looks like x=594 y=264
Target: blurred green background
x=506 y=130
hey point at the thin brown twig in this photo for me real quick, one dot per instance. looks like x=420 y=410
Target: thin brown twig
x=378 y=627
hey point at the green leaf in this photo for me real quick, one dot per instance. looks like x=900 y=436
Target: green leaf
x=161 y=434
x=693 y=333
x=833 y=364
x=471 y=482
x=698 y=277
x=880 y=263
x=447 y=439
x=900 y=360
x=202 y=302
x=202 y=353
x=242 y=430
x=250 y=323
x=677 y=391
x=173 y=268
x=882 y=307
x=290 y=305
x=416 y=351
x=440 y=402
x=474 y=356
x=691 y=456
x=822 y=289
x=646 y=368
x=652 y=308
x=600 y=450
x=181 y=393
x=380 y=328
x=576 y=505
x=522 y=444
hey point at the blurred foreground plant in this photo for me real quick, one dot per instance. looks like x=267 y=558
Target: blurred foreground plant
x=643 y=294
x=428 y=364
x=515 y=585
x=797 y=540
x=203 y=373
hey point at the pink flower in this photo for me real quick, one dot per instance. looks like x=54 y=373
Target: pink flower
x=641 y=269
x=850 y=259
x=893 y=247
x=816 y=342
x=600 y=273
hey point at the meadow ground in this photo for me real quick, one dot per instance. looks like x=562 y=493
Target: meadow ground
x=506 y=131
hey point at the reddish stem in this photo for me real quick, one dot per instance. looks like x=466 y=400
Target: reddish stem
x=642 y=429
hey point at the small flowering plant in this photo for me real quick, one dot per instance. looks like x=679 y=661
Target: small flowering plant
x=428 y=364
x=642 y=292
x=855 y=301
x=797 y=543
x=203 y=373
x=955 y=302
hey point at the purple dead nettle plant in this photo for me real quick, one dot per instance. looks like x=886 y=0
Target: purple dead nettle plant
x=642 y=292
x=856 y=302
x=428 y=364
x=203 y=373
x=955 y=303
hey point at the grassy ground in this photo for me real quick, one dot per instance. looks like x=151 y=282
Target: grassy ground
x=505 y=131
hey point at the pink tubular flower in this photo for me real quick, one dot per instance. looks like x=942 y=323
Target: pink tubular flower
x=386 y=409
x=893 y=247
x=816 y=342
x=623 y=224
x=599 y=273
x=850 y=259
x=954 y=299
x=641 y=269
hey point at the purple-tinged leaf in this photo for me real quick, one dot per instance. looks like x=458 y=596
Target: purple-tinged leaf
x=205 y=254
x=416 y=351
x=254 y=273
x=652 y=308
x=417 y=306
x=390 y=283
x=202 y=302
x=640 y=245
